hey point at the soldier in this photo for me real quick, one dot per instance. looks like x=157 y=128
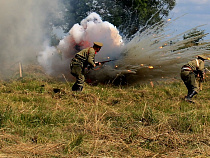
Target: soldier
x=82 y=59
x=189 y=72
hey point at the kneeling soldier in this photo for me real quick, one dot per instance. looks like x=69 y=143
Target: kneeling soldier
x=81 y=60
x=189 y=72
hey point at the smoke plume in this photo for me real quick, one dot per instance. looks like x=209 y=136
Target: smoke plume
x=152 y=54
x=23 y=30
x=91 y=29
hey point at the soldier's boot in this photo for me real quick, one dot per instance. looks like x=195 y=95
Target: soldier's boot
x=188 y=94
x=79 y=89
x=74 y=87
x=189 y=97
x=192 y=94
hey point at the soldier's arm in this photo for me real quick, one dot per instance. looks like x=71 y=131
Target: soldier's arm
x=91 y=57
x=201 y=70
x=201 y=66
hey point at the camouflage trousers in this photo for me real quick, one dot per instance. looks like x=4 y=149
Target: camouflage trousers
x=189 y=80
x=77 y=71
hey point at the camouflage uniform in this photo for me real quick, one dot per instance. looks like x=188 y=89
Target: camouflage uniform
x=78 y=64
x=189 y=72
x=81 y=60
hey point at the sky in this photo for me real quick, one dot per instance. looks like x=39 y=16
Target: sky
x=192 y=13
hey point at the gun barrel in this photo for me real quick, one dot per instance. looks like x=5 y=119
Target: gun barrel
x=106 y=61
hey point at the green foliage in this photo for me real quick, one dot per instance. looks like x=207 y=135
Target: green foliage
x=5 y=115
x=127 y=15
x=76 y=142
x=195 y=36
x=54 y=40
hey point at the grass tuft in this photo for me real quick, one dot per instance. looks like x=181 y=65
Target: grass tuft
x=42 y=117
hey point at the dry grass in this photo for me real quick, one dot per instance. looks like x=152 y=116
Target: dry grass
x=101 y=121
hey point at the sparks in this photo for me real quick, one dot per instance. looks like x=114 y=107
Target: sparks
x=152 y=84
x=150 y=67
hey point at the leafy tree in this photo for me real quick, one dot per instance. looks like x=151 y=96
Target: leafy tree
x=127 y=15
x=54 y=40
x=195 y=36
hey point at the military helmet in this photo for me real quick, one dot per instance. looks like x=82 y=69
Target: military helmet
x=99 y=44
x=203 y=57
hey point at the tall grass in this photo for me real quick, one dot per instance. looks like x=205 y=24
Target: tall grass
x=102 y=121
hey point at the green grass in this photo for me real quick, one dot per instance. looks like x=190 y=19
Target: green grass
x=104 y=120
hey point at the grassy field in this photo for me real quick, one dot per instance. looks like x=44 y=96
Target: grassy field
x=42 y=117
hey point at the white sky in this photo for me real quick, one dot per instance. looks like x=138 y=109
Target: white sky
x=196 y=12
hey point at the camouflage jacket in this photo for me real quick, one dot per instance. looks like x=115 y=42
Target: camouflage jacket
x=197 y=66
x=87 y=56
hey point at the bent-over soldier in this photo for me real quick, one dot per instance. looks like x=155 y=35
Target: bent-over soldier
x=190 y=72
x=82 y=59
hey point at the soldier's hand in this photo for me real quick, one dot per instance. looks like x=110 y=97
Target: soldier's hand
x=97 y=63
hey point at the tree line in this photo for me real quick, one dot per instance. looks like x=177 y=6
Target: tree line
x=126 y=15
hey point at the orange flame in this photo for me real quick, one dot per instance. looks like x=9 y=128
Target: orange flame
x=150 y=67
x=152 y=84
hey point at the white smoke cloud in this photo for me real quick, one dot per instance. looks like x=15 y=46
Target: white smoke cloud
x=23 y=28
x=152 y=54
x=23 y=37
x=91 y=29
